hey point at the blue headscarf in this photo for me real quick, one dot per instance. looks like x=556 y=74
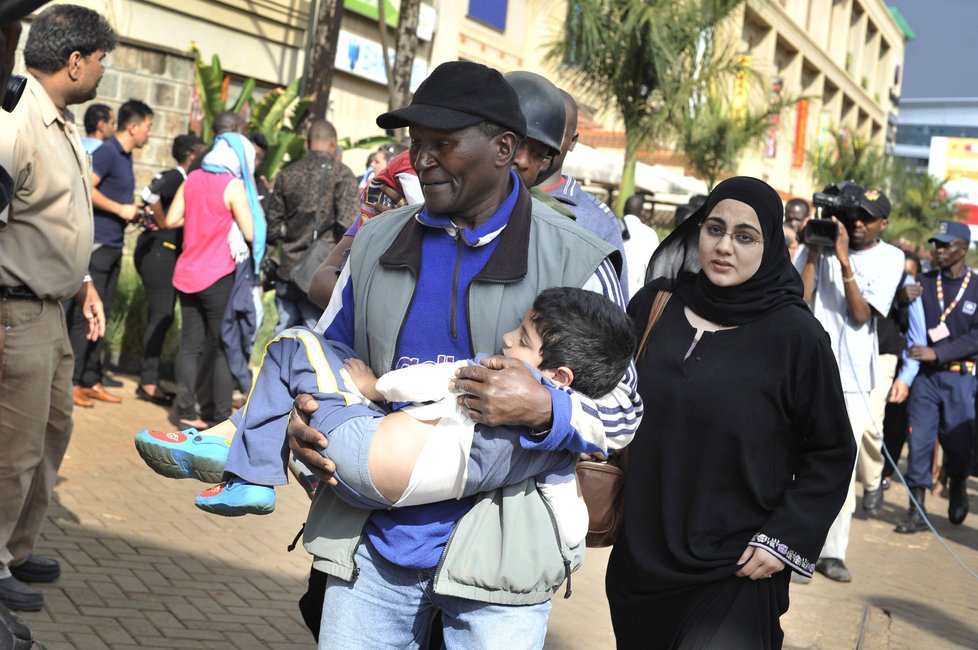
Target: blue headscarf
x=234 y=154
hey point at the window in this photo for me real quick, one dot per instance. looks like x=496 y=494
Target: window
x=490 y=12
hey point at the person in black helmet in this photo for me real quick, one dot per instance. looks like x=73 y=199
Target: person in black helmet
x=543 y=109
x=590 y=213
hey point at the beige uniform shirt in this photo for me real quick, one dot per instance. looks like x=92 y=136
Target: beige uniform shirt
x=46 y=234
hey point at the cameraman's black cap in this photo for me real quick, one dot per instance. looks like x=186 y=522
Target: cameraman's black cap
x=457 y=95
x=875 y=203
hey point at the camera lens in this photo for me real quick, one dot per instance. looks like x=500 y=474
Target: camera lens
x=15 y=88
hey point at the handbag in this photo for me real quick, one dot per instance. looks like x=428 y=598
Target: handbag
x=319 y=248
x=602 y=483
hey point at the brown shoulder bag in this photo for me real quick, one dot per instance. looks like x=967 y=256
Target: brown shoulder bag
x=602 y=482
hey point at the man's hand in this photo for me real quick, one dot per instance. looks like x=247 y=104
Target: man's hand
x=898 y=392
x=841 y=243
x=923 y=354
x=758 y=563
x=88 y=300
x=503 y=391
x=307 y=443
x=128 y=211
x=908 y=294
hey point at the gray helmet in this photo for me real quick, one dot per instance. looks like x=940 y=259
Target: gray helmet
x=542 y=106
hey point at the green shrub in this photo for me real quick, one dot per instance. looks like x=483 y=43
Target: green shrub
x=123 y=344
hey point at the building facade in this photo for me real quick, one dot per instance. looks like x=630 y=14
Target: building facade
x=842 y=59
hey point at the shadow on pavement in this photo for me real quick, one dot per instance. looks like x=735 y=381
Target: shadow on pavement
x=119 y=591
x=928 y=617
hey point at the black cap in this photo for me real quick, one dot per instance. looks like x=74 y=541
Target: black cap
x=12 y=10
x=875 y=203
x=457 y=95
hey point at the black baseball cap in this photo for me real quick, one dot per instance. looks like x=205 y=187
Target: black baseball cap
x=457 y=95
x=12 y=10
x=875 y=203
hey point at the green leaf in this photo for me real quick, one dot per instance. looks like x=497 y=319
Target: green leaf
x=246 y=91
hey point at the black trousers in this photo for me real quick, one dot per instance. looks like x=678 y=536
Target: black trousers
x=155 y=259
x=200 y=333
x=894 y=434
x=104 y=268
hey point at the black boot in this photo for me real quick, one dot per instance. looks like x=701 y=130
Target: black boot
x=914 y=522
x=957 y=508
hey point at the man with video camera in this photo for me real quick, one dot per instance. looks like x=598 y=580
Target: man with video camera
x=850 y=279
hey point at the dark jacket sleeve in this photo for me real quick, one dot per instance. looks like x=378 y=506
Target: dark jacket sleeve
x=276 y=210
x=824 y=453
x=346 y=199
x=959 y=347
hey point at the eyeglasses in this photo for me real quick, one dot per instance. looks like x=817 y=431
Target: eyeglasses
x=740 y=237
x=944 y=244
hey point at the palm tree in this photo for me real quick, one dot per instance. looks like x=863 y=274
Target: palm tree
x=849 y=158
x=645 y=57
x=919 y=202
x=713 y=135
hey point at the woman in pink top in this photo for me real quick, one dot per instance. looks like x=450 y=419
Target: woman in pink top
x=210 y=205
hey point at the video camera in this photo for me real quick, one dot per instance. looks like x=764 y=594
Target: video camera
x=841 y=201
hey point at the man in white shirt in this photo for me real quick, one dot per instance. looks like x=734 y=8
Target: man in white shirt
x=849 y=287
x=640 y=242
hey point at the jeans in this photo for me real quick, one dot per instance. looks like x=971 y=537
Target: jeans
x=387 y=606
x=294 y=308
x=104 y=268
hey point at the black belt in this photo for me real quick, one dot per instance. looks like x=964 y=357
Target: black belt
x=20 y=292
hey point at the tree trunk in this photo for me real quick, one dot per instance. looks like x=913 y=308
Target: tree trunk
x=322 y=57
x=406 y=48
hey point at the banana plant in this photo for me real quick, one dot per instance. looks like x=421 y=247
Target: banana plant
x=276 y=115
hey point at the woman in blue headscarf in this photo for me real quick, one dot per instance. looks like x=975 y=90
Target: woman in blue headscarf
x=218 y=209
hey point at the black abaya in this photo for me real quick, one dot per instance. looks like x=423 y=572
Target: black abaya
x=746 y=442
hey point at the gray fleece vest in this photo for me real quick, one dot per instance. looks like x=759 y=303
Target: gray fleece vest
x=506 y=549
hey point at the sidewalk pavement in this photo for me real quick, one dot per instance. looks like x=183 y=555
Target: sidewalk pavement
x=143 y=568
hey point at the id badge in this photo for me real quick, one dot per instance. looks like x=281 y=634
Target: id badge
x=938 y=333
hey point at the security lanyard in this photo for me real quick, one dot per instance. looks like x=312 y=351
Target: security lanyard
x=940 y=294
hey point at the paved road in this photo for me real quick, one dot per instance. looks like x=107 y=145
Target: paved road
x=143 y=568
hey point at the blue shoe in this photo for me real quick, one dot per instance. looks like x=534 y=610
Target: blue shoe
x=237 y=497
x=184 y=454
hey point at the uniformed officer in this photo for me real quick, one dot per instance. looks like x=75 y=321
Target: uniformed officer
x=942 y=401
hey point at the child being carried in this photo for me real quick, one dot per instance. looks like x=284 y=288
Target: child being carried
x=425 y=451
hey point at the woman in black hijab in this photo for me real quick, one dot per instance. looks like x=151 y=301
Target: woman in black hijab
x=744 y=456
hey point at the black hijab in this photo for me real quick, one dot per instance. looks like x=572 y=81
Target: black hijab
x=776 y=284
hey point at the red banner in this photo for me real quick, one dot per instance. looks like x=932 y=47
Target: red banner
x=801 y=131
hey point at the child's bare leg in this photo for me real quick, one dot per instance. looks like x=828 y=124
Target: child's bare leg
x=223 y=429
x=394 y=450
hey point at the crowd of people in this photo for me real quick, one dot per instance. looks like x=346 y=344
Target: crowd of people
x=476 y=322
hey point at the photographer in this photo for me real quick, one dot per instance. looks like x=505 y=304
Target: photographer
x=848 y=285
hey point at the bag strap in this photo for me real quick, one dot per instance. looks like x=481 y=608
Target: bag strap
x=326 y=168
x=658 y=306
